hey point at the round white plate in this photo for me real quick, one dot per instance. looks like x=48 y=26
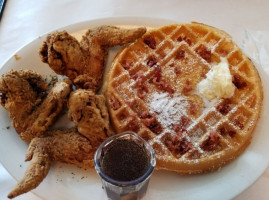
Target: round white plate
x=69 y=182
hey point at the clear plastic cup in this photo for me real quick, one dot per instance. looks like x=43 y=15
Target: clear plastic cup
x=125 y=190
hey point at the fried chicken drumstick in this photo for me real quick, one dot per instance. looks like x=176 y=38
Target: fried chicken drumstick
x=83 y=62
x=24 y=95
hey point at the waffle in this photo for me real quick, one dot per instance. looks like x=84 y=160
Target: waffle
x=151 y=89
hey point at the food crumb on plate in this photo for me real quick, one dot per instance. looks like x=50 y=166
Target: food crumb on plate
x=17 y=57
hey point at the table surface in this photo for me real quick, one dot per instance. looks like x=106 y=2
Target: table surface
x=23 y=21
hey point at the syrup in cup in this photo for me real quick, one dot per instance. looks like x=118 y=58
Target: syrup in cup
x=125 y=163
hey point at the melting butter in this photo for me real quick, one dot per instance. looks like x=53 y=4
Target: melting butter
x=218 y=82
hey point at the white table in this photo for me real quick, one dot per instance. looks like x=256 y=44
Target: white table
x=24 y=20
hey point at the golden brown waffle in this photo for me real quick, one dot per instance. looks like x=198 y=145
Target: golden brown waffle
x=151 y=89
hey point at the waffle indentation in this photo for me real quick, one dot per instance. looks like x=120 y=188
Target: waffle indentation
x=118 y=70
x=212 y=118
x=212 y=39
x=165 y=49
x=235 y=58
x=241 y=117
x=244 y=69
x=197 y=132
x=123 y=115
x=155 y=38
x=133 y=125
x=251 y=101
x=177 y=144
x=146 y=134
x=184 y=35
x=213 y=143
x=225 y=106
x=227 y=130
x=224 y=48
x=127 y=63
x=199 y=31
x=205 y=52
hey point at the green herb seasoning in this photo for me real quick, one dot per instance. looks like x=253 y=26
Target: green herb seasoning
x=125 y=160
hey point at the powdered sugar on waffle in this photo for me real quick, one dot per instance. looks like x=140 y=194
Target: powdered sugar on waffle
x=167 y=109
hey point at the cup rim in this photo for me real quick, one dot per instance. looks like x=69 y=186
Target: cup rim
x=140 y=179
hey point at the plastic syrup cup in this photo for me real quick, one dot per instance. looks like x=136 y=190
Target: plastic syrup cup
x=125 y=190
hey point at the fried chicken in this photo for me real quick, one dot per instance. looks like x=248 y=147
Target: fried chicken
x=33 y=111
x=35 y=173
x=66 y=56
x=75 y=145
x=65 y=146
x=89 y=113
x=24 y=94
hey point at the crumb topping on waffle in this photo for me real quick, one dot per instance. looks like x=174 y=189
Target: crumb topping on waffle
x=152 y=90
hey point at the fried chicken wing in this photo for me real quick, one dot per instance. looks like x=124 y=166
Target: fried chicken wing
x=89 y=113
x=24 y=94
x=65 y=146
x=66 y=56
x=35 y=173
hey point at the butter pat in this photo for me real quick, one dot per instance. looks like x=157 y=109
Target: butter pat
x=218 y=82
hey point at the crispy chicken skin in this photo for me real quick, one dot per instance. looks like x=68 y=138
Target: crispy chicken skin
x=24 y=95
x=65 y=146
x=89 y=113
x=21 y=91
x=35 y=173
x=66 y=56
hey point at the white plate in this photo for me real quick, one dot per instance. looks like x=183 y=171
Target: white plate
x=69 y=182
